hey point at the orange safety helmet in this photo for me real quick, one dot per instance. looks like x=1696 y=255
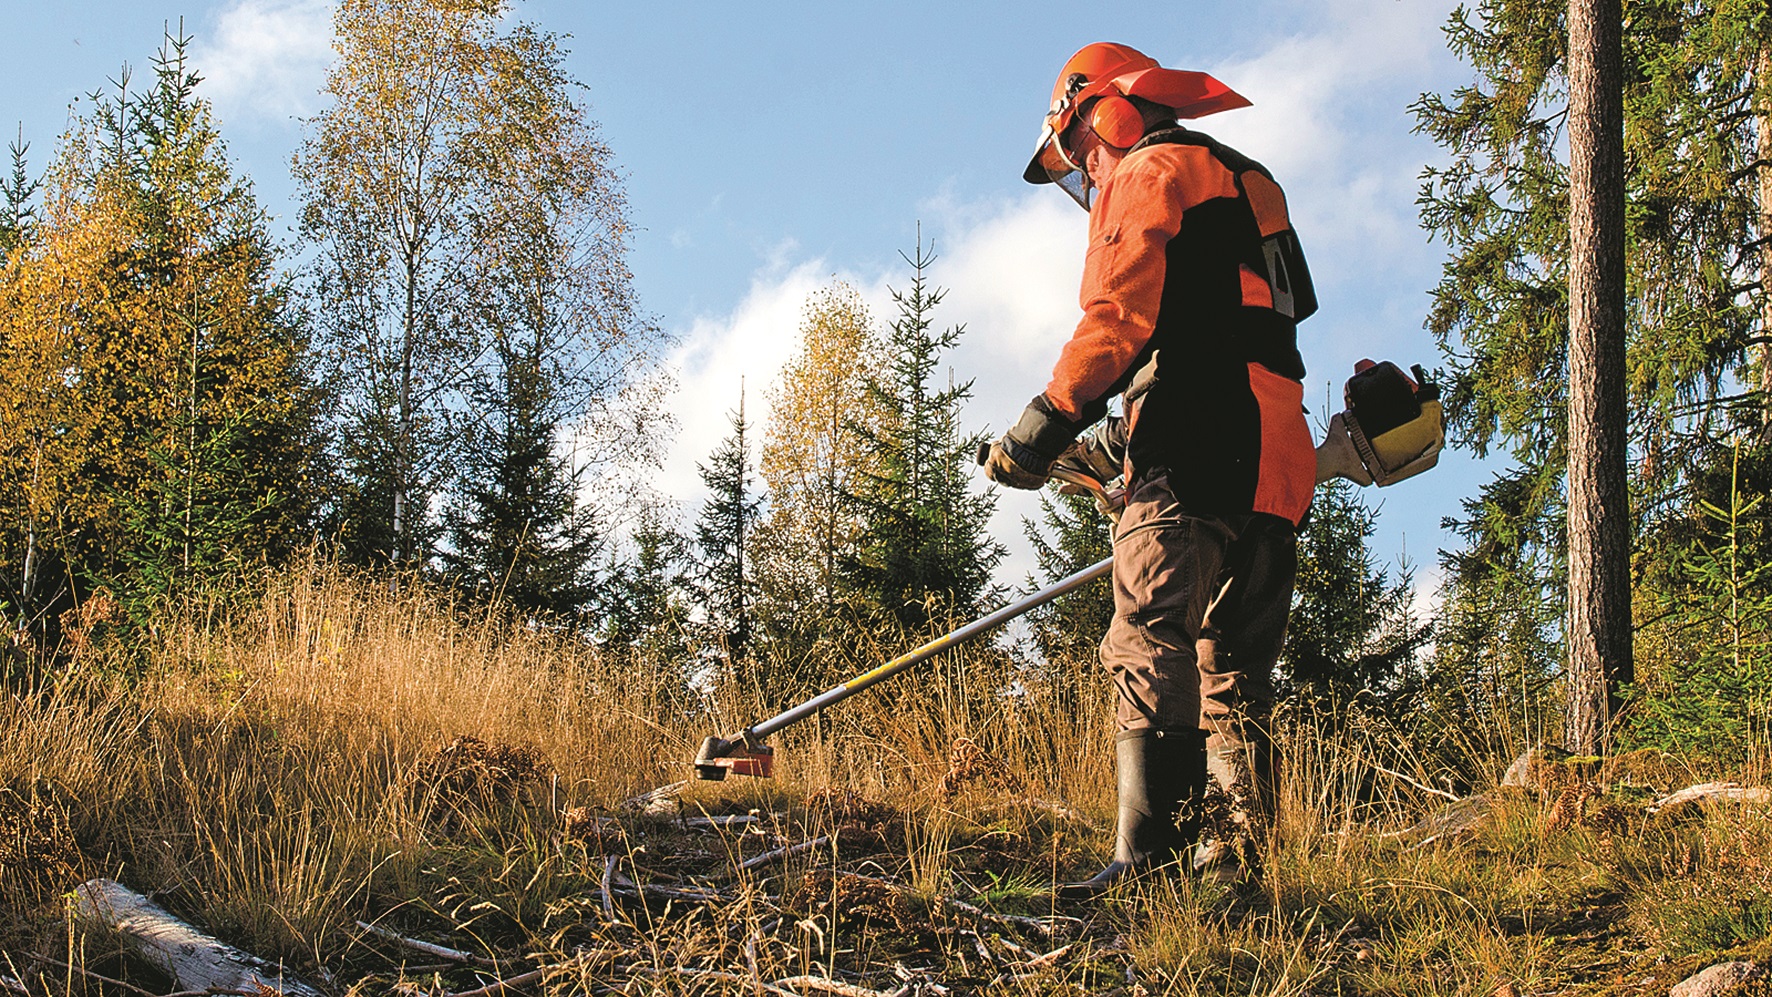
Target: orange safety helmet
x=1098 y=79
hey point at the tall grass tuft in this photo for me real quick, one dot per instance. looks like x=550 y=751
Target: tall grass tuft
x=329 y=751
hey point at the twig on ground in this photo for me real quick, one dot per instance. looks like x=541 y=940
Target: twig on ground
x=769 y=857
x=500 y=986
x=686 y=894
x=440 y=951
x=829 y=986
x=983 y=950
x=1046 y=926
x=730 y=820
x=1050 y=958
x=11 y=985
x=608 y=874
x=918 y=982
x=1400 y=777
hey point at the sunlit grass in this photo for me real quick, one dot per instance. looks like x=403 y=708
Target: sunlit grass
x=272 y=773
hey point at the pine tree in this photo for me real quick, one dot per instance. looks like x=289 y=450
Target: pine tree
x=641 y=600
x=556 y=307
x=921 y=553
x=1075 y=536
x=520 y=531
x=158 y=427
x=723 y=540
x=18 y=215
x=1598 y=500
x=1501 y=311
x=1352 y=636
x=1712 y=696
x=1498 y=646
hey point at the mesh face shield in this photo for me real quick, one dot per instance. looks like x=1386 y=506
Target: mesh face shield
x=1054 y=162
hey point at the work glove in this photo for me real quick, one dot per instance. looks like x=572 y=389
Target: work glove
x=1023 y=457
x=1001 y=465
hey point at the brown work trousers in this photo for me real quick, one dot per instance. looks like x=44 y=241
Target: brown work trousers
x=1178 y=577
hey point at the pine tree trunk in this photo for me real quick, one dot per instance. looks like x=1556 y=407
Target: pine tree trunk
x=1599 y=618
x=1763 y=155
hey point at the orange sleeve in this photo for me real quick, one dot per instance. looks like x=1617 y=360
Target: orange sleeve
x=1135 y=216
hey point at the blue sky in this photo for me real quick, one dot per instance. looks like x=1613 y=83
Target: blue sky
x=770 y=148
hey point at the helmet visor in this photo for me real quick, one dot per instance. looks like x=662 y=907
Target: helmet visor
x=1053 y=164
x=1077 y=184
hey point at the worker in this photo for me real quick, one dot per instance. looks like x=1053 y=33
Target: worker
x=1193 y=285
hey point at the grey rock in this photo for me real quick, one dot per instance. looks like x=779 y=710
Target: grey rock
x=1723 y=978
x=1516 y=772
x=1527 y=771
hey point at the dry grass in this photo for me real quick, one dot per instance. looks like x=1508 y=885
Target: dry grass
x=336 y=754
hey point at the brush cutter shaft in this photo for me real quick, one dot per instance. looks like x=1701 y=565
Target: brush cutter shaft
x=872 y=678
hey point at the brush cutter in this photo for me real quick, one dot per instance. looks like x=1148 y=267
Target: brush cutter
x=744 y=753
x=1392 y=429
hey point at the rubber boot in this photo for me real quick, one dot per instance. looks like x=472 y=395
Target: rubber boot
x=1241 y=804
x=1161 y=776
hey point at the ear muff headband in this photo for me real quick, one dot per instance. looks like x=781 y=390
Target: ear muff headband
x=1116 y=121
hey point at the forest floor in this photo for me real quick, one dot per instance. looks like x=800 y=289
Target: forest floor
x=385 y=799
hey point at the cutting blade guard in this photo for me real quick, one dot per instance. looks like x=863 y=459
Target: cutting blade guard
x=737 y=755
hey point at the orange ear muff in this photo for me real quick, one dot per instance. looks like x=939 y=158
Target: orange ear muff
x=1116 y=121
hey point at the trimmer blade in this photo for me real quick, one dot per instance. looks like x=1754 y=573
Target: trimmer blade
x=719 y=757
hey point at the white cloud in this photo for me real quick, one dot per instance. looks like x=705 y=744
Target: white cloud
x=1014 y=270
x=751 y=343
x=1330 y=119
x=264 y=60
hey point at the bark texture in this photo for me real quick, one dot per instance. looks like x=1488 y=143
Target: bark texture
x=1763 y=156
x=1599 y=621
x=194 y=961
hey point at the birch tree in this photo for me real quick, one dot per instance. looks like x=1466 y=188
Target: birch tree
x=563 y=336
x=811 y=460
x=392 y=172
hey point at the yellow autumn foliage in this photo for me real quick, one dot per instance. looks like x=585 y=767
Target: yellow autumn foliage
x=139 y=320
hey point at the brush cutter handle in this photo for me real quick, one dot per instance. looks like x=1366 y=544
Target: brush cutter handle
x=869 y=679
x=716 y=748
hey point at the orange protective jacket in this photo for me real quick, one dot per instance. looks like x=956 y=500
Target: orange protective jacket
x=1192 y=259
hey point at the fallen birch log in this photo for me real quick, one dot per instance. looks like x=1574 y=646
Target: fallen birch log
x=1730 y=791
x=193 y=960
